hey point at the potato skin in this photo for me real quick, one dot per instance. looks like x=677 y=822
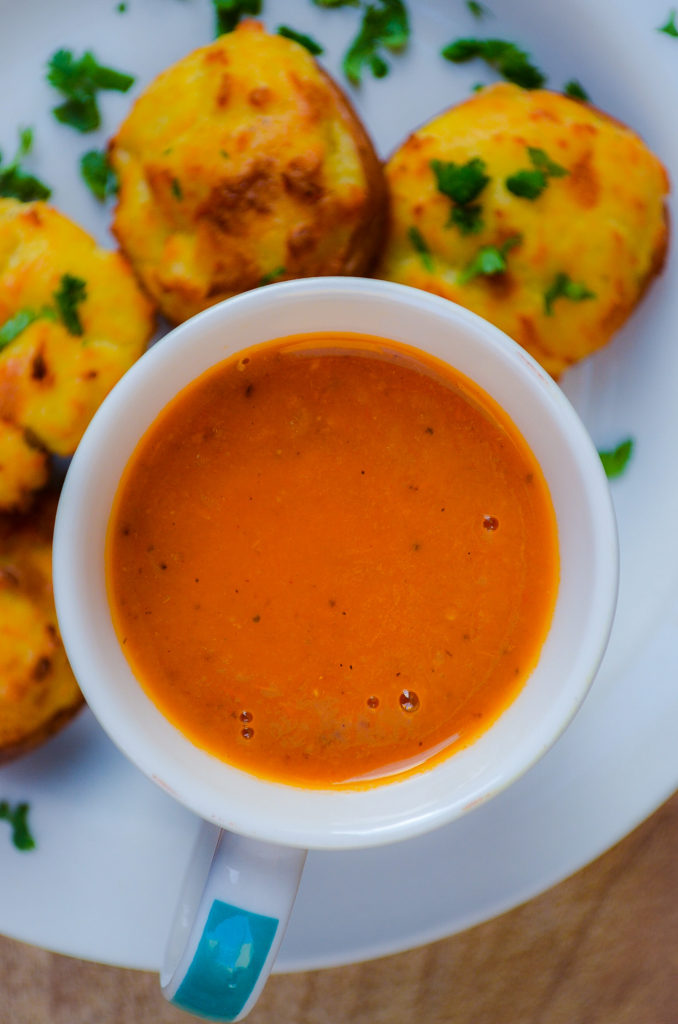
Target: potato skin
x=242 y=164
x=52 y=381
x=38 y=692
x=603 y=223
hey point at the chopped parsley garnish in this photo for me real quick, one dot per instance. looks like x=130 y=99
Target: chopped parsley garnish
x=526 y=184
x=564 y=288
x=271 y=276
x=80 y=81
x=298 y=37
x=386 y=25
x=71 y=292
x=177 y=190
x=121 y=8
x=543 y=162
x=469 y=219
x=98 y=174
x=18 y=821
x=478 y=10
x=418 y=241
x=670 y=28
x=228 y=13
x=15 y=183
x=509 y=60
x=462 y=183
x=529 y=184
x=489 y=260
x=617 y=459
x=576 y=91
x=337 y=3
x=16 y=325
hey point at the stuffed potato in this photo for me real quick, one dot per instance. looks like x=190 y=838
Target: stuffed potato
x=534 y=210
x=72 y=320
x=241 y=165
x=38 y=692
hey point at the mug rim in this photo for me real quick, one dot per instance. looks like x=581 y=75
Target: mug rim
x=229 y=797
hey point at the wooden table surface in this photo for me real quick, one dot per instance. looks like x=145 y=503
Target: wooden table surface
x=600 y=948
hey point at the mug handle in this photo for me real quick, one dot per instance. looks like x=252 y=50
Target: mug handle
x=229 y=922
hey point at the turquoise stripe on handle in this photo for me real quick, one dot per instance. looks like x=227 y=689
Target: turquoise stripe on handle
x=227 y=963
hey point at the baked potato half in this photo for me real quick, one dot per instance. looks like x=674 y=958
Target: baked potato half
x=240 y=165
x=73 y=319
x=38 y=692
x=539 y=212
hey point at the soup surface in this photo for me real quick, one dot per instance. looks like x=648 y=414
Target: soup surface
x=332 y=560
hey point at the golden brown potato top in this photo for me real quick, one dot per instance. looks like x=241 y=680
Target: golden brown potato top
x=242 y=164
x=572 y=203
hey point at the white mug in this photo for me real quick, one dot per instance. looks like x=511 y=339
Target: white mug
x=245 y=871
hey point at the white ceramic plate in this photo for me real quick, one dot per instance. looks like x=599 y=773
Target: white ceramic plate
x=112 y=847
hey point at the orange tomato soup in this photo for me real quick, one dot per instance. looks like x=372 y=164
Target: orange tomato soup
x=332 y=560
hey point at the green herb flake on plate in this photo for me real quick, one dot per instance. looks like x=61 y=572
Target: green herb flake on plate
x=615 y=460
x=17 y=817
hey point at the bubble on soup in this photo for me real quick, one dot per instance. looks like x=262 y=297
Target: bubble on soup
x=409 y=700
